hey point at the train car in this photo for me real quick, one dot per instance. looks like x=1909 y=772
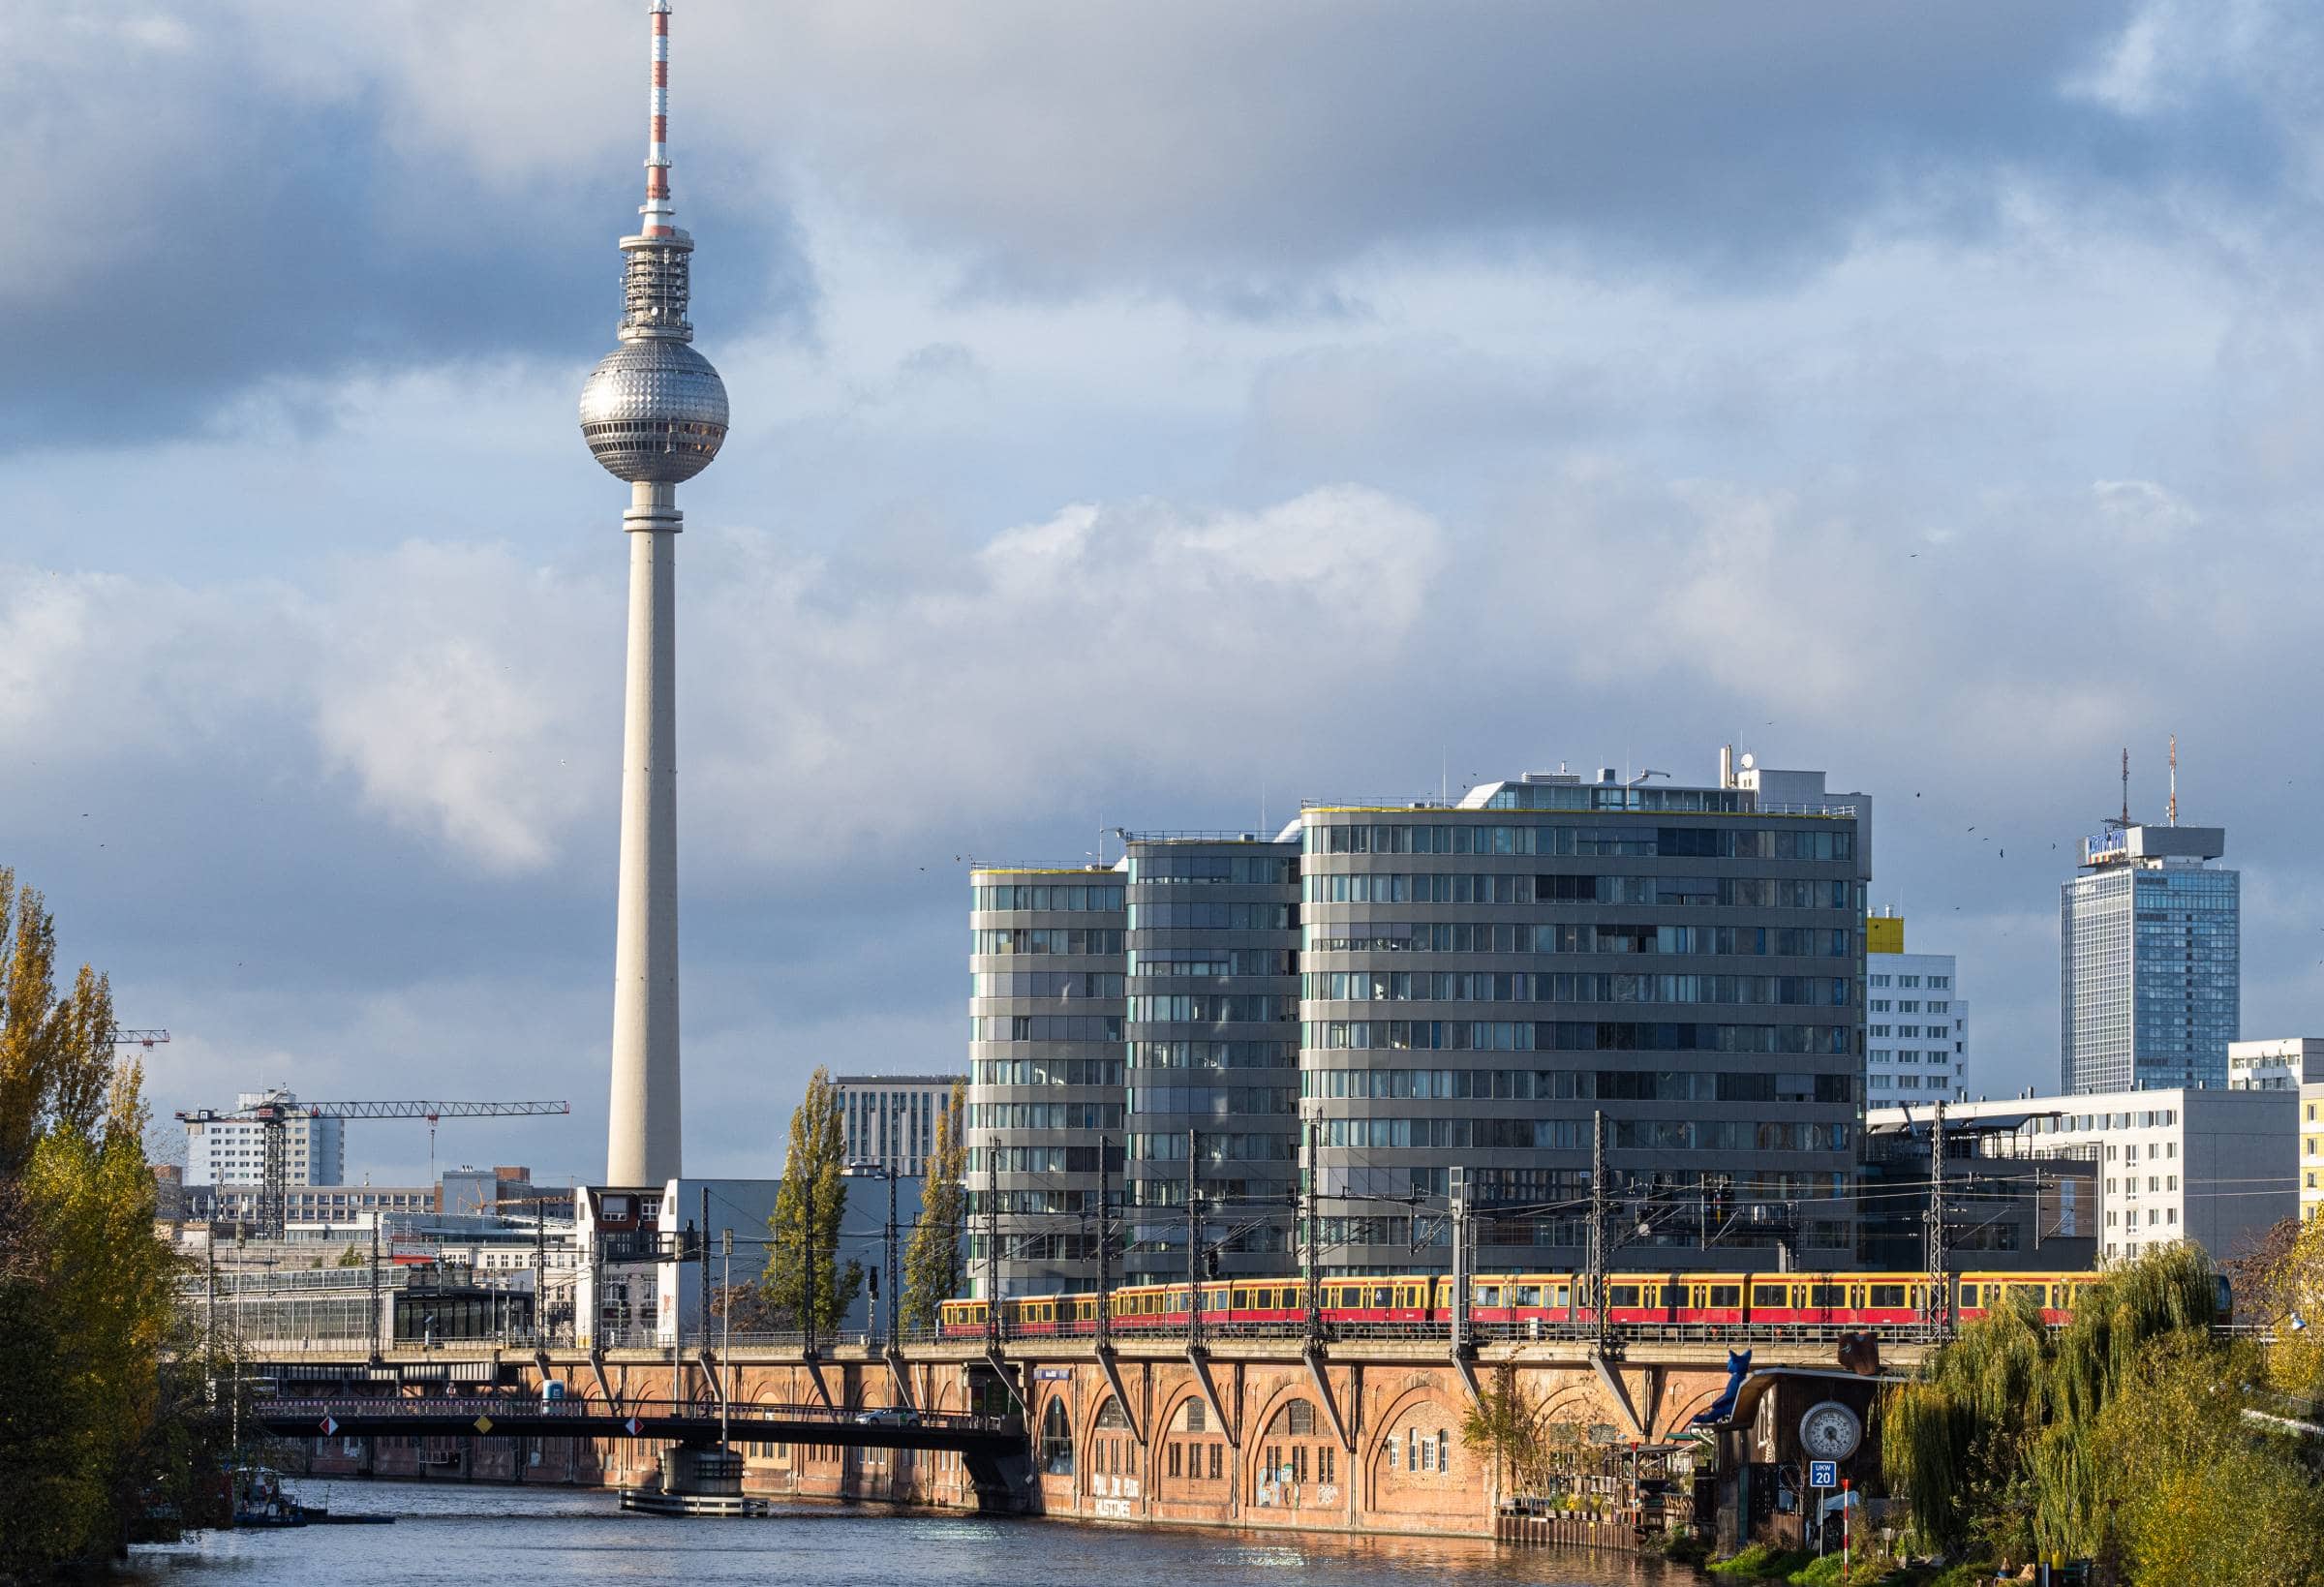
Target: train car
x=1522 y=1298
x=1386 y=1298
x=1269 y=1302
x=1715 y=1299
x=1978 y=1295
x=1836 y=1300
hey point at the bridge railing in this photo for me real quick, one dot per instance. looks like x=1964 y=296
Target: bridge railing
x=437 y=1407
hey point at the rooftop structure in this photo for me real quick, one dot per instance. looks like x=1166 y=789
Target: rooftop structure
x=2279 y=1063
x=653 y=412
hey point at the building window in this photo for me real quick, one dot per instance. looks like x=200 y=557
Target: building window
x=1056 y=1439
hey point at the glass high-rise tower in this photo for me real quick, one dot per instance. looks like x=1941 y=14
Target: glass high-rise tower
x=2149 y=961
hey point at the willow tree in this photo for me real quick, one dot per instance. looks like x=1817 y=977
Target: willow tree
x=805 y=1278
x=931 y=1263
x=1992 y=1445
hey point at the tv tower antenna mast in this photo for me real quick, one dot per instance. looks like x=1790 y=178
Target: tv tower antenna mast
x=653 y=411
x=2174 y=779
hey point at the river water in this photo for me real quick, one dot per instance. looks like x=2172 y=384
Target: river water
x=487 y=1537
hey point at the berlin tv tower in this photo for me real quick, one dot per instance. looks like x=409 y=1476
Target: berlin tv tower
x=653 y=411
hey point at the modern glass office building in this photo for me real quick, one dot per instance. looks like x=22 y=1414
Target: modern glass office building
x=1214 y=1010
x=1379 y=995
x=1483 y=983
x=1046 y=1041
x=2149 y=961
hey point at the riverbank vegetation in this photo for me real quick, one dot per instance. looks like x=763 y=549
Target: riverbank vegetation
x=93 y=1434
x=2121 y=1438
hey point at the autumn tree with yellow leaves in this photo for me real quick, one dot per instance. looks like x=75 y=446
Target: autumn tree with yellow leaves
x=86 y=1299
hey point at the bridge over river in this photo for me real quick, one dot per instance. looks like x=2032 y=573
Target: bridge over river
x=1349 y=1433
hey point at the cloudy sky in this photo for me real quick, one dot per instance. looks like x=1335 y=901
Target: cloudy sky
x=1148 y=416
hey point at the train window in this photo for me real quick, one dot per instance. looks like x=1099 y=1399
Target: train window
x=1623 y=1294
x=1770 y=1295
x=1378 y=1300
x=1727 y=1295
x=2026 y=1291
x=1529 y=1294
x=1885 y=1295
x=1969 y=1295
x=1558 y=1293
x=1488 y=1294
x=1826 y=1295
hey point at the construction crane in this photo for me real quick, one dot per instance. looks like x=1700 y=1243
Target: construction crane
x=272 y=1113
x=123 y=1036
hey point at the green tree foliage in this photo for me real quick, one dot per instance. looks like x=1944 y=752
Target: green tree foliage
x=803 y=1265
x=2119 y=1438
x=2282 y=1290
x=2193 y=1491
x=86 y=1289
x=1525 y=1445
x=931 y=1265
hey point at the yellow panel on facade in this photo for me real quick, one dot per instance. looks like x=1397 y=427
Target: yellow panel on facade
x=1884 y=935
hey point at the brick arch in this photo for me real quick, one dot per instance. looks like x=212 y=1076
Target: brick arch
x=1445 y=1481
x=1182 y=1463
x=1110 y=1456
x=1313 y=1460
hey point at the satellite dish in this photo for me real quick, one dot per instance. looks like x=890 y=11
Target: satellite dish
x=1748 y=762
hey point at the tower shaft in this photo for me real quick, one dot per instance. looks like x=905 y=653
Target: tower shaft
x=643 y=1145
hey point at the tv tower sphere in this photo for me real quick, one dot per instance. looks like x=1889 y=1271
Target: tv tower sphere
x=653 y=411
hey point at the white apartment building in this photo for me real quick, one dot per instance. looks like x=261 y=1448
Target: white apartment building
x=1916 y=1019
x=231 y=1151
x=2281 y=1063
x=2215 y=1166
x=2311 y=1136
x=890 y=1120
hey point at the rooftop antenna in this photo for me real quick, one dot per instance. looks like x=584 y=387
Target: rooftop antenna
x=2174 y=779
x=2126 y=786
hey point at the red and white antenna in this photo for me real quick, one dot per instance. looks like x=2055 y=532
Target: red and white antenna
x=656 y=209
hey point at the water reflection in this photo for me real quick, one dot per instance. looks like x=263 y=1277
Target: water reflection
x=565 y=1537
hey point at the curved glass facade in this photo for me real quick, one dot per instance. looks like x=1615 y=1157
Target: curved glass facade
x=1480 y=982
x=1045 y=1070
x=1214 y=1052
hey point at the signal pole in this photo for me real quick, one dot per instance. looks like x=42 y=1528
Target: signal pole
x=1941 y=1307
x=1313 y=1274
x=1598 y=1223
x=994 y=1333
x=895 y=1278
x=1461 y=1265
x=809 y=1260
x=1105 y=1243
x=375 y=1284
x=1194 y=1244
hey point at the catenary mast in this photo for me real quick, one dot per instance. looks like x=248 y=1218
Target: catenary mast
x=653 y=411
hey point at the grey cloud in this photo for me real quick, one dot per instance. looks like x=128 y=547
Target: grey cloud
x=195 y=218
x=1227 y=151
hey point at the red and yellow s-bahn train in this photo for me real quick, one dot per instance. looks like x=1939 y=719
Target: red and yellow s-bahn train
x=1518 y=1301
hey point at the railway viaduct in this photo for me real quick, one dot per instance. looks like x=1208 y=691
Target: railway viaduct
x=1355 y=1434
